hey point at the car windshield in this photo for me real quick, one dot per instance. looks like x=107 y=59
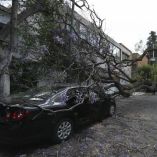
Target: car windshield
x=60 y=96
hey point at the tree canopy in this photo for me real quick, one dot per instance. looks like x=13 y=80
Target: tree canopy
x=152 y=40
x=53 y=35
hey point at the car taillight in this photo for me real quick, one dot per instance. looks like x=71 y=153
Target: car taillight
x=16 y=115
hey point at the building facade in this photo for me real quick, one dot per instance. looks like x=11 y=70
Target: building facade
x=85 y=29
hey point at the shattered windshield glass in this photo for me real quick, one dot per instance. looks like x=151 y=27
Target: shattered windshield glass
x=60 y=96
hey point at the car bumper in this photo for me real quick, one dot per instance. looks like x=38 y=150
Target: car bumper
x=17 y=135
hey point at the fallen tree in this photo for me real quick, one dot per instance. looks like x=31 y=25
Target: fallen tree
x=52 y=39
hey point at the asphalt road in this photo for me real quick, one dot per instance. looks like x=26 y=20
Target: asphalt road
x=133 y=133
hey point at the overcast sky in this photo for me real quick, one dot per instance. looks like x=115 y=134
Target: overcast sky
x=128 y=21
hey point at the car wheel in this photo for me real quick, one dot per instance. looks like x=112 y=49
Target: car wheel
x=112 y=110
x=63 y=130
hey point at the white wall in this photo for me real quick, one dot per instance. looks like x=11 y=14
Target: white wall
x=4 y=17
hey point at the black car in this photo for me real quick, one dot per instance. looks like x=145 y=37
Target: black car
x=53 y=115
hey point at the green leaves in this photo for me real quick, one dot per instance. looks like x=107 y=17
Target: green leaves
x=152 y=40
x=148 y=72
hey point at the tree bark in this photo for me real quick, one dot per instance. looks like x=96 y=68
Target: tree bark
x=5 y=77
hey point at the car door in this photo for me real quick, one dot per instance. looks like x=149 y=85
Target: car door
x=96 y=106
x=79 y=99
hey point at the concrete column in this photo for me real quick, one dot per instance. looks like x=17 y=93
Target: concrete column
x=4 y=85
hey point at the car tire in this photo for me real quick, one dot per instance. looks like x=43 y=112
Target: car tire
x=63 y=130
x=112 y=110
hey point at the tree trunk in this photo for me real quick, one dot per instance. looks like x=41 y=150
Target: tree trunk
x=5 y=77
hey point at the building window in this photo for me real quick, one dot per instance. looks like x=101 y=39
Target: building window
x=124 y=56
x=116 y=53
x=83 y=31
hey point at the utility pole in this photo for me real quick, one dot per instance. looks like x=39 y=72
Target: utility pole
x=72 y=24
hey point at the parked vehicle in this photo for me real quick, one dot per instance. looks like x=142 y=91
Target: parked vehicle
x=110 y=89
x=53 y=115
